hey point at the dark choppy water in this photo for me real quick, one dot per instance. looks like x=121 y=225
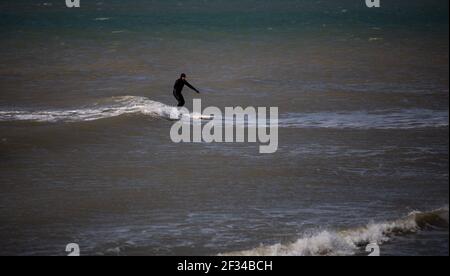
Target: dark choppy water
x=86 y=157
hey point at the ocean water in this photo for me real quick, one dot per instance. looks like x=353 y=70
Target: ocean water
x=86 y=156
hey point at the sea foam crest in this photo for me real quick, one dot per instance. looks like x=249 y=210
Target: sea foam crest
x=350 y=242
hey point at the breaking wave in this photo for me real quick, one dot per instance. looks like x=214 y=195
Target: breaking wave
x=119 y=106
x=350 y=242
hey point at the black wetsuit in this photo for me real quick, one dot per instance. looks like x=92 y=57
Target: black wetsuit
x=178 y=88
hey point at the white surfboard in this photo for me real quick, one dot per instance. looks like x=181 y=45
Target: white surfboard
x=200 y=116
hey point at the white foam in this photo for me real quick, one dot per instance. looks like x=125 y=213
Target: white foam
x=119 y=106
x=384 y=119
x=349 y=242
x=381 y=119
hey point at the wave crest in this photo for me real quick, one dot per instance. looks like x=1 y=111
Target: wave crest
x=349 y=242
x=118 y=106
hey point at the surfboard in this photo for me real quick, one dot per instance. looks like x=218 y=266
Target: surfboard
x=201 y=117
x=176 y=115
x=180 y=116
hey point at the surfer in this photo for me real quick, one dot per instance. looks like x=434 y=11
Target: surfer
x=178 y=88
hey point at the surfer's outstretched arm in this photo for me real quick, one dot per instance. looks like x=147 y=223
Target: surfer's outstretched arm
x=190 y=86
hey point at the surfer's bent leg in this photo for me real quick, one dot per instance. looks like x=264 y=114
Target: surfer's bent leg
x=179 y=98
